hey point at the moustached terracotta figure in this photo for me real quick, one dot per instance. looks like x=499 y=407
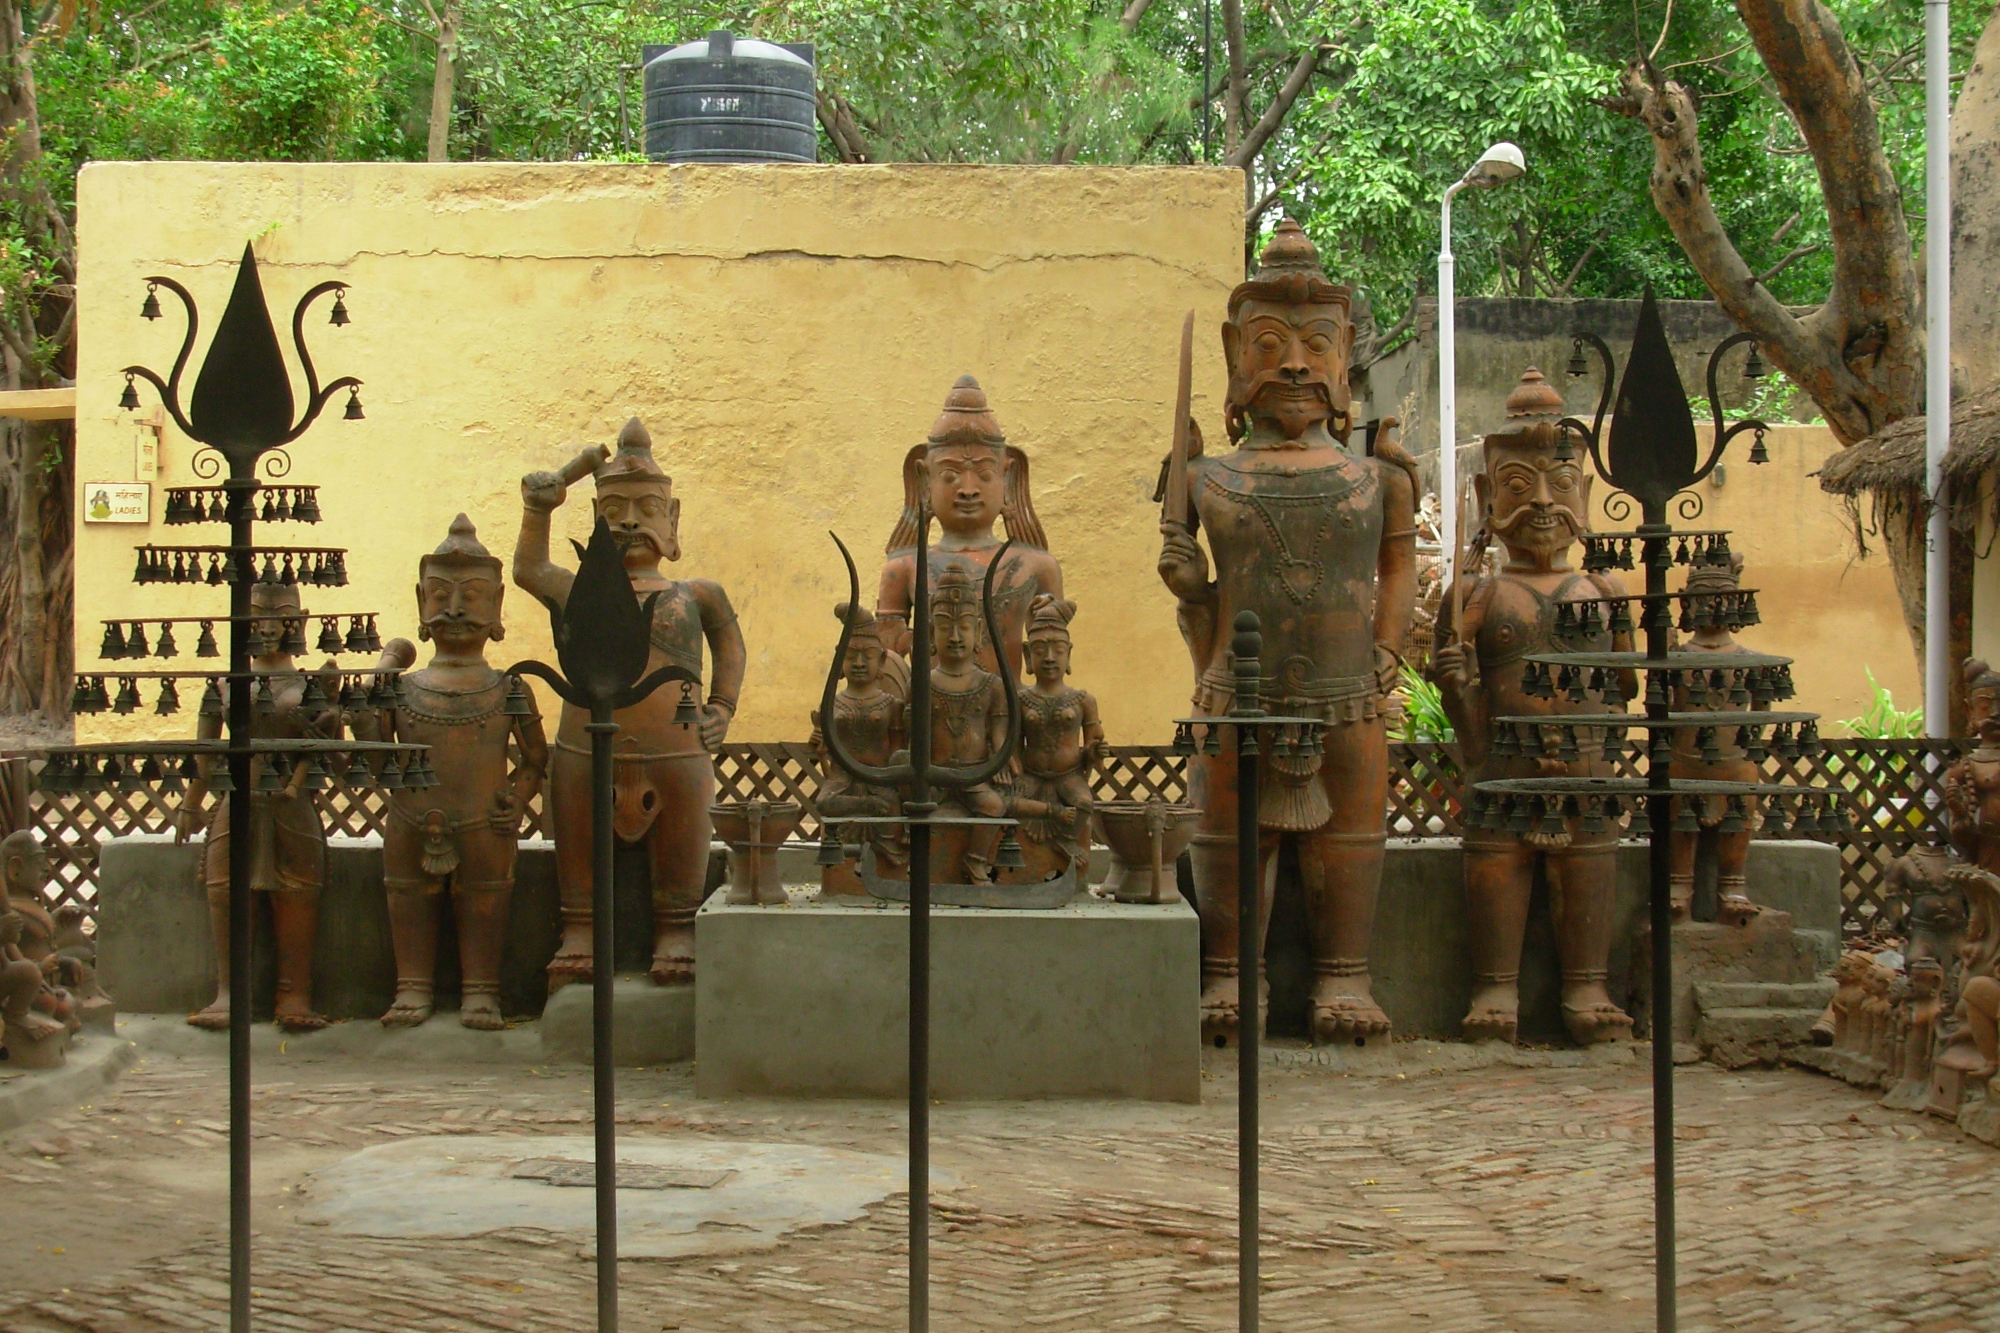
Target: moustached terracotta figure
x=1318 y=538
x=664 y=770
x=1536 y=503
x=464 y=832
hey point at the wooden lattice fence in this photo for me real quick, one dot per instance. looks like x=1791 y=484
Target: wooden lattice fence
x=1892 y=792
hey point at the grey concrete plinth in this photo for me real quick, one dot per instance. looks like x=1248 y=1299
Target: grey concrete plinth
x=156 y=951
x=651 y=1025
x=1422 y=967
x=1095 y=999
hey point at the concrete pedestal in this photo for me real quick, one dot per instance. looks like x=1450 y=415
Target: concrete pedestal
x=1095 y=999
x=651 y=1025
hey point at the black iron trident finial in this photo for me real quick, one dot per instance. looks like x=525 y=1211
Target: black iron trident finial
x=241 y=404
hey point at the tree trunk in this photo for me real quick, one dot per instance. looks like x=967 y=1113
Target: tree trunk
x=1860 y=355
x=444 y=80
x=1236 y=91
x=1975 y=218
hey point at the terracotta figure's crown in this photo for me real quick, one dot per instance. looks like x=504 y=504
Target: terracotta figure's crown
x=1534 y=396
x=867 y=625
x=1979 y=676
x=634 y=459
x=1717 y=578
x=1049 y=615
x=1289 y=273
x=275 y=596
x=461 y=547
x=966 y=418
x=954 y=584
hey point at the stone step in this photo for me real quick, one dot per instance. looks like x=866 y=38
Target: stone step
x=1714 y=995
x=1756 y=1025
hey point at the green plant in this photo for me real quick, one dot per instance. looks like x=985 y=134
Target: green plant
x=1883 y=721
x=1424 y=718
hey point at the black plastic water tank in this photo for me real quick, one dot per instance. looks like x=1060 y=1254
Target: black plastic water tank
x=724 y=100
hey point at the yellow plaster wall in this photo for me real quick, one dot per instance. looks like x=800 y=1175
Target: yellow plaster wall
x=786 y=333
x=1838 y=616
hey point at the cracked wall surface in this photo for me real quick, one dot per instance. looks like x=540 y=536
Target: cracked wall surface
x=786 y=332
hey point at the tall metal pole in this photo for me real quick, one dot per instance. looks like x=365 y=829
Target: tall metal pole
x=1659 y=811
x=604 y=1102
x=1248 y=649
x=1447 y=391
x=1937 y=365
x=240 y=487
x=919 y=807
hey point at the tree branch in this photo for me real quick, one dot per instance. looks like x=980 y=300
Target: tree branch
x=1234 y=100
x=1274 y=114
x=1135 y=11
x=837 y=117
x=1798 y=253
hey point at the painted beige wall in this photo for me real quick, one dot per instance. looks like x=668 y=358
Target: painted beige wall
x=1836 y=615
x=786 y=332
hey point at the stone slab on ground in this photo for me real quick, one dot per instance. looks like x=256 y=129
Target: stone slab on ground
x=459 y=1186
x=156 y=953
x=651 y=1025
x=1981 y=1119
x=440 y=1043
x=93 y=1060
x=1095 y=999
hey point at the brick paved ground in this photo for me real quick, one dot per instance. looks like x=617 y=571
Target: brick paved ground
x=1494 y=1199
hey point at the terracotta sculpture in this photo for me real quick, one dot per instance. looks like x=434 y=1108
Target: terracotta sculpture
x=1725 y=761
x=465 y=831
x=869 y=713
x=1061 y=740
x=53 y=941
x=1877 y=1009
x=287 y=837
x=39 y=1012
x=968 y=709
x=1922 y=1009
x=1972 y=783
x=1320 y=541
x=1838 y=1020
x=1969 y=1050
x=971 y=477
x=1536 y=503
x=664 y=773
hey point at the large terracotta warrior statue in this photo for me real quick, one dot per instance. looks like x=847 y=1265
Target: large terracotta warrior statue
x=974 y=477
x=1320 y=541
x=1536 y=504
x=665 y=775
x=465 y=831
x=287 y=837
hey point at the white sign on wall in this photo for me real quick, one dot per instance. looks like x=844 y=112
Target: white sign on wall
x=117 y=502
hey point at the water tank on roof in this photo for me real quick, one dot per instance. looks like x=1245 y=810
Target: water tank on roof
x=730 y=100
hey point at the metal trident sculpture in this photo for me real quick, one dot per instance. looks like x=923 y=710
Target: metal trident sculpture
x=603 y=637
x=919 y=778
x=1652 y=457
x=241 y=408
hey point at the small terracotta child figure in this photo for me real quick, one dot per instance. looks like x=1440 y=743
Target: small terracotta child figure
x=1061 y=738
x=968 y=710
x=869 y=711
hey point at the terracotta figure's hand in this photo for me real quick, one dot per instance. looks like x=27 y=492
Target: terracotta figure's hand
x=1183 y=567
x=714 y=726
x=186 y=819
x=1451 y=668
x=1388 y=668
x=543 y=491
x=505 y=814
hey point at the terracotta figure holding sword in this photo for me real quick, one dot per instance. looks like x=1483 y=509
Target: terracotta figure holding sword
x=1319 y=539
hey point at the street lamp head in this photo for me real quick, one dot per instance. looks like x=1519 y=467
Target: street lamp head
x=1499 y=164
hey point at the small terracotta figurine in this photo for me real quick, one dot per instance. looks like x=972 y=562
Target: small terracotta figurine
x=1061 y=740
x=1317 y=536
x=464 y=832
x=1725 y=761
x=1877 y=1009
x=973 y=478
x=1837 y=1021
x=1921 y=1012
x=1537 y=504
x=968 y=709
x=39 y=1014
x=1972 y=784
x=287 y=837
x=665 y=774
x=869 y=711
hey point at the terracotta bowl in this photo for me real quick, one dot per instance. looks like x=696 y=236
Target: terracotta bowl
x=1129 y=828
x=753 y=856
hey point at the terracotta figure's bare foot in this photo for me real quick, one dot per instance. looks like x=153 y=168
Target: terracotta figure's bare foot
x=1219 y=1011
x=1733 y=909
x=1680 y=899
x=1591 y=1017
x=673 y=956
x=215 y=1018
x=1344 y=1010
x=1823 y=1029
x=573 y=956
x=38 y=1027
x=481 y=1012
x=295 y=1014
x=1495 y=1014
x=412 y=1007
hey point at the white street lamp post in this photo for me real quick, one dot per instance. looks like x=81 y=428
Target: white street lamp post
x=1496 y=166
x=1937 y=365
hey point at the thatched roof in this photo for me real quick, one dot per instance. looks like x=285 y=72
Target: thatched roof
x=1890 y=463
